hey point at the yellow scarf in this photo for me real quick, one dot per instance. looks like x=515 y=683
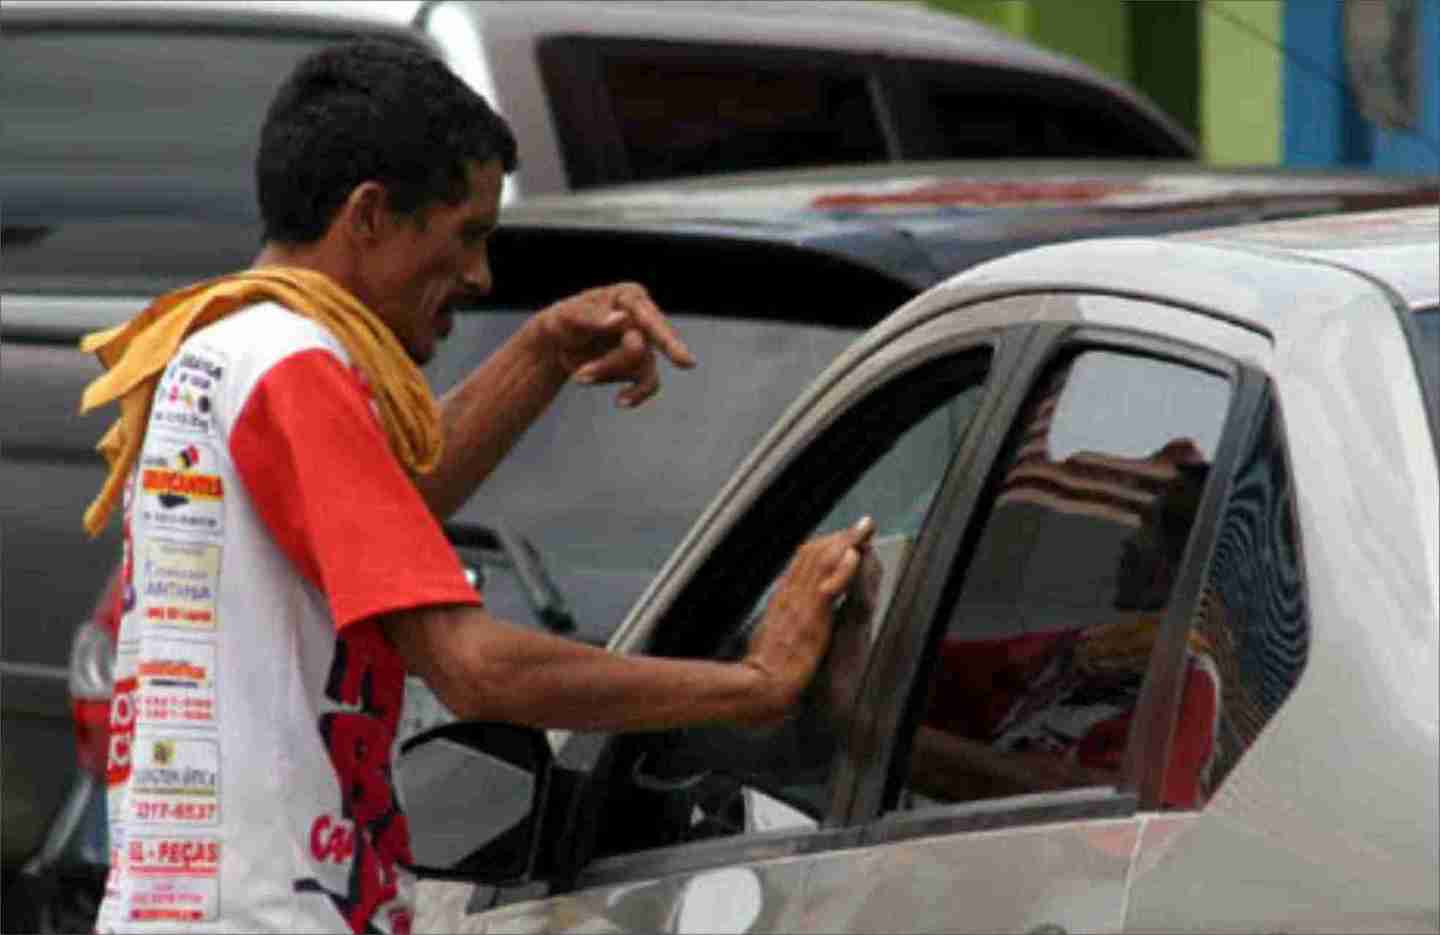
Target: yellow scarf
x=135 y=353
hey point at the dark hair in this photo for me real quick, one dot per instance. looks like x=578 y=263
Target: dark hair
x=383 y=110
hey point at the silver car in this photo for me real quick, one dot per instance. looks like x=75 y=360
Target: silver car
x=1149 y=642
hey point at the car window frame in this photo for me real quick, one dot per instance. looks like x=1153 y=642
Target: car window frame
x=1004 y=345
x=898 y=671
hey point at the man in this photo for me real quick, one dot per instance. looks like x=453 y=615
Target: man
x=283 y=467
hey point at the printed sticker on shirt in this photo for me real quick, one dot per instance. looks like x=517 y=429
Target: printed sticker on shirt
x=180 y=490
x=122 y=731
x=184 y=400
x=173 y=878
x=180 y=584
x=177 y=683
x=176 y=780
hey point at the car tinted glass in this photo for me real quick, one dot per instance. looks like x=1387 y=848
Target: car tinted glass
x=605 y=494
x=958 y=111
x=132 y=102
x=1041 y=664
x=696 y=117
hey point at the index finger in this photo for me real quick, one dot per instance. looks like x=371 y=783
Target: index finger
x=646 y=315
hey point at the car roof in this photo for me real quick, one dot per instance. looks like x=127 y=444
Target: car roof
x=340 y=15
x=886 y=232
x=1397 y=248
x=883 y=28
x=1271 y=278
x=959 y=213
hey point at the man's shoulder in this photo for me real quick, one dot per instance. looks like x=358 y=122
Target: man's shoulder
x=267 y=330
x=240 y=349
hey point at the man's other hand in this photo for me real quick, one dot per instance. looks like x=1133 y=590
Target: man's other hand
x=609 y=335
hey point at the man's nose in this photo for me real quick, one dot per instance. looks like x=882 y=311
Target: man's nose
x=477 y=278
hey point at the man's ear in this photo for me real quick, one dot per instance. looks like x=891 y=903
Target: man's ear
x=365 y=216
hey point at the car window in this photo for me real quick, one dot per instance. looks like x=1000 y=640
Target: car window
x=1039 y=667
x=606 y=494
x=885 y=457
x=966 y=113
x=699 y=117
x=685 y=109
x=131 y=102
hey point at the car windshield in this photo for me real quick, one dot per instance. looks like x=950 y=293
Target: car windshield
x=606 y=494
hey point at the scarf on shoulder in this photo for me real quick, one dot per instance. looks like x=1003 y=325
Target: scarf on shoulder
x=134 y=355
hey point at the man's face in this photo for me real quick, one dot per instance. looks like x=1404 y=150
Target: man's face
x=426 y=264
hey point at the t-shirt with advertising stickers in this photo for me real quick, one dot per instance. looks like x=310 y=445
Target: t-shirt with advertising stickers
x=256 y=699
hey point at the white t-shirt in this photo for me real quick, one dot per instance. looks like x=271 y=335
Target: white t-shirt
x=256 y=699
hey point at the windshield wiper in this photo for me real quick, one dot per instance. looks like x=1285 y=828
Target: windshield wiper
x=545 y=600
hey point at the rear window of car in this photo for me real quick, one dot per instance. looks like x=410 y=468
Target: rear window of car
x=679 y=117
x=643 y=110
x=126 y=102
x=978 y=112
x=605 y=494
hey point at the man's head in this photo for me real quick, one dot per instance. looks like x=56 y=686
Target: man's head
x=380 y=166
x=1150 y=558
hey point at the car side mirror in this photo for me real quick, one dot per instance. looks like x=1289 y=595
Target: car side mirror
x=474 y=795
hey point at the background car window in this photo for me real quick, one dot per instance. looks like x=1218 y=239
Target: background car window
x=162 y=104
x=644 y=110
x=1038 y=670
x=697 y=117
x=885 y=457
x=605 y=494
x=986 y=119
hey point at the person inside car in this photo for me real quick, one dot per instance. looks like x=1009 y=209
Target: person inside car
x=1052 y=710
x=282 y=467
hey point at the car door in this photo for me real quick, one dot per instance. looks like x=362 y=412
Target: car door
x=818 y=826
x=1042 y=688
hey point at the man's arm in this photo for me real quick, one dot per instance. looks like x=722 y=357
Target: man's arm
x=483 y=668
x=602 y=335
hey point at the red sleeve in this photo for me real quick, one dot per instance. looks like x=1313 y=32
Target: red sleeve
x=319 y=470
x=978 y=680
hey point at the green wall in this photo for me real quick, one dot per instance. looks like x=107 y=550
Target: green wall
x=1242 y=109
x=1212 y=66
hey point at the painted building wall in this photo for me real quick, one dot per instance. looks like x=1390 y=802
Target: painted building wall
x=1328 y=121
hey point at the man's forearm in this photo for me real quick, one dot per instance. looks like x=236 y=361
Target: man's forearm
x=484 y=415
x=495 y=671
